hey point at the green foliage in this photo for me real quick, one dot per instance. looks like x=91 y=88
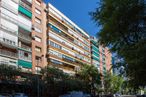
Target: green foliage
x=123 y=29
x=8 y=72
x=112 y=83
x=56 y=82
x=91 y=77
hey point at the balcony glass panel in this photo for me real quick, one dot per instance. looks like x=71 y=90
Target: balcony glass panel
x=25 y=64
x=25 y=11
x=24 y=47
x=25 y=56
x=25 y=23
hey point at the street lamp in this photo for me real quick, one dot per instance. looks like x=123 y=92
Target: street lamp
x=38 y=87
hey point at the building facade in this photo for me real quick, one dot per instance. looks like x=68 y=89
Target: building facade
x=100 y=56
x=15 y=33
x=34 y=35
x=68 y=45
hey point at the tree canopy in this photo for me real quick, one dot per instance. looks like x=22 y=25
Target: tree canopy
x=123 y=30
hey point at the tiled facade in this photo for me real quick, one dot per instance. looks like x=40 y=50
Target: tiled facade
x=100 y=56
x=34 y=35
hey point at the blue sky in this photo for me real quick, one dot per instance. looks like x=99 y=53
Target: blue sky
x=78 y=12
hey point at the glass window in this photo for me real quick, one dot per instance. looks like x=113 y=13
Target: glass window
x=38 y=49
x=37 y=29
x=38 y=20
x=38 y=2
x=55 y=45
x=38 y=39
x=37 y=11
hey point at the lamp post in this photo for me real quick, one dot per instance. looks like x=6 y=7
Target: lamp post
x=38 y=88
x=38 y=80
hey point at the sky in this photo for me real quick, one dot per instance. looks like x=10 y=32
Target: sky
x=78 y=12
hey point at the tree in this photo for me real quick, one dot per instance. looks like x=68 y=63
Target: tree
x=91 y=76
x=123 y=30
x=56 y=82
x=112 y=83
x=8 y=72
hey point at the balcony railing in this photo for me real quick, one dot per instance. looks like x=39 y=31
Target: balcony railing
x=8 y=42
x=18 y=22
x=8 y=30
x=25 y=47
x=25 y=37
x=9 y=7
x=8 y=53
x=25 y=58
x=11 y=19
x=3 y=62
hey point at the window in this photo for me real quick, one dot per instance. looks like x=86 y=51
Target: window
x=55 y=61
x=37 y=11
x=37 y=29
x=38 y=59
x=55 y=53
x=25 y=54
x=38 y=39
x=38 y=2
x=55 y=45
x=38 y=20
x=38 y=49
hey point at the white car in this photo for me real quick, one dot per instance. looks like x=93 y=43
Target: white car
x=20 y=95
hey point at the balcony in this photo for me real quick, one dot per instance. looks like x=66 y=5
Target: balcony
x=26 y=6
x=26 y=58
x=25 y=64
x=24 y=37
x=25 y=48
x=8 y=54
x=8 y=30
x=7 y=61
x=8 y=43
x=24 y=23
x=9 y=7
x=9 y=18
x=25 y=11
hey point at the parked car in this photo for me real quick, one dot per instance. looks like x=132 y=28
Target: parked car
x=20 y=95
x=5 y=95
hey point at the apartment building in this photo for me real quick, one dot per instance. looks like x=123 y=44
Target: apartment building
x=68 y=45
x=34 y=35
x=20 y=33
x=100 y=56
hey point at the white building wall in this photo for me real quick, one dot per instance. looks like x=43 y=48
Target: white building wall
x=25 y=23
x=9 y=25
x=8 y=61
x=9 y=37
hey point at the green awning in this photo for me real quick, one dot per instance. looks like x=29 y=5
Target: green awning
x=25 y=64
x=25 y=11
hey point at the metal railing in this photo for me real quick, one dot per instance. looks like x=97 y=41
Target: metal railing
x=25 y=37
x=25 y=58
x=25 y=47
x=8 y=53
